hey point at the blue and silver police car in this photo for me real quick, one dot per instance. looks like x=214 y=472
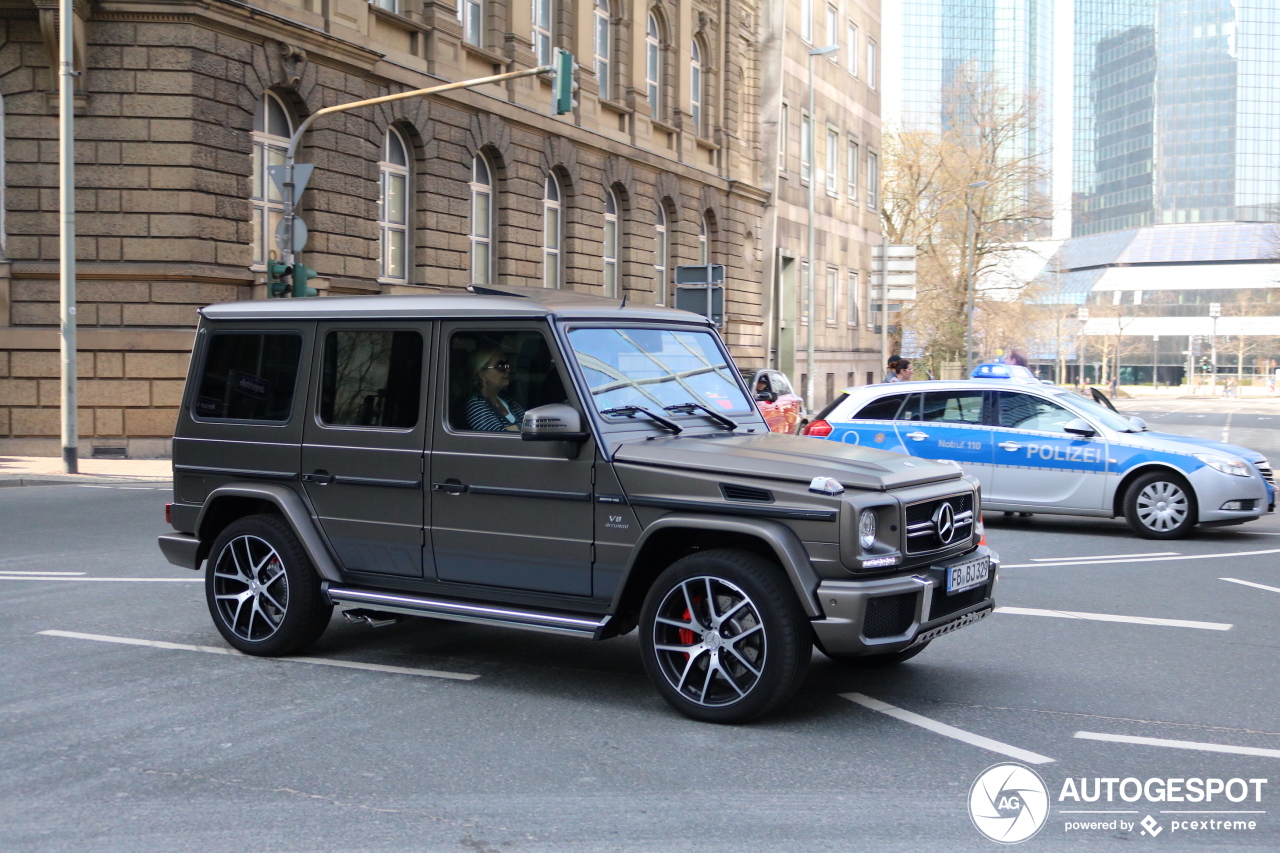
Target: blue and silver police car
x=1037 y=448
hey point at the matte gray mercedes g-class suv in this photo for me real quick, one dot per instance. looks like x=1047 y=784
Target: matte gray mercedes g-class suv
x=544 y=460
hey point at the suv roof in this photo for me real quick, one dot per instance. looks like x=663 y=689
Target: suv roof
x=480 y=301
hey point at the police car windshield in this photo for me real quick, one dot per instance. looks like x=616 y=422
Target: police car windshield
x=1109 y=419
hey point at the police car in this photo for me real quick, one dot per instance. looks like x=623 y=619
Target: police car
x=1037 y=448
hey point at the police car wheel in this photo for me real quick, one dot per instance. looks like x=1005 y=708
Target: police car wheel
x=1160 y=506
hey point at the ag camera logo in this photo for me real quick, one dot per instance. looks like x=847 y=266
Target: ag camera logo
x=1009 y=803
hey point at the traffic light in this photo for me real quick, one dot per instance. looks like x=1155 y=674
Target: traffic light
x=277 y=272
x=564 y=86
x=302 y=275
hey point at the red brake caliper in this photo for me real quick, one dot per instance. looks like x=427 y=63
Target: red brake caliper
x=687 y=636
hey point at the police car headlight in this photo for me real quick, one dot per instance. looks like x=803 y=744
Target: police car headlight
x=867 y=529
x=1224 y=464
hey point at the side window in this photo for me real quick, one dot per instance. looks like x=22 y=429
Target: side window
x=371 y=379
x=884 y=409
x=1023 y=411
x=952 y=407
x=249 y=376
x=495 y=376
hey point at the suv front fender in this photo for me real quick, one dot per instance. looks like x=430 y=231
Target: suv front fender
x=772 y=536
x=290 y=506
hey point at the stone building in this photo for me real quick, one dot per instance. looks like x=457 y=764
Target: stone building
x=181 y=105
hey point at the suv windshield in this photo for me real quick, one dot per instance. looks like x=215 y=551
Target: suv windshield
x=656 y=368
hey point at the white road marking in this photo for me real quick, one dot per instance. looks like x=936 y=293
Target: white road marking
x=1226 y=428
x=1251 y=583
x=1181 y=744
x=1079 y=562
x=227 y=650
x=1107 y=617
x=21 y=573
x=1107 y=556
x=103 y=580
x=947 y=731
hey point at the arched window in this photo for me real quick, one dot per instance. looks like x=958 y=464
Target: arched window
x=704 y=241
x=695 y=88
x=272 y=129
x=610 y=243
x=660 y=256
x=481 y=221
x=542 y=31
x=393 y=206
x=603 y=44
x=653 y=65
x=552 y=229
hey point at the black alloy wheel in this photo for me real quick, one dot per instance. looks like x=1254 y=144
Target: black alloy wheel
x=262 y=591
x=722 y=636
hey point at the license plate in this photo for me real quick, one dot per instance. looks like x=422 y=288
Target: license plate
x=967 y=575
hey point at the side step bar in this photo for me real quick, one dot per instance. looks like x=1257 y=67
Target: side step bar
x=459 y=611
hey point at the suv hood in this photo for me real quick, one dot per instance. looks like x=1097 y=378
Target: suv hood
x=794 y=458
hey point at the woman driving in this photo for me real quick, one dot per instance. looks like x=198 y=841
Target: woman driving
x=490 y=409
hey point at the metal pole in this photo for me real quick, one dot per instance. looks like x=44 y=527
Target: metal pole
x=67 y=233
x=884 y=304
x=1213 y=358
x=292 y=151
x=813 y=177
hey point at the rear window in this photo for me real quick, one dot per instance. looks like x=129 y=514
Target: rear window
x=249 y=376
x=884 y=409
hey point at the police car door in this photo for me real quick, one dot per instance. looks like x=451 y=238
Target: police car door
x=1037 y=463
x=949 y=425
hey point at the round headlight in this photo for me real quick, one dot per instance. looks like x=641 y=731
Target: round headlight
x=867 y=529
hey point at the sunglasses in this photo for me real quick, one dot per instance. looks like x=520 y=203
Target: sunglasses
x=501 y=365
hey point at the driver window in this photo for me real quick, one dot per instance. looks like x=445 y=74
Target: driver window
x=780 y=384
x=495 y=376
x=952 y=407
x=1023 y=411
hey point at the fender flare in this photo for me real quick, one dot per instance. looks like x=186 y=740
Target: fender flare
x=295 y=513
x=782 y=540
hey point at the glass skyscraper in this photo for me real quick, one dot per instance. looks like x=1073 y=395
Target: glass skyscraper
x=1176 y=115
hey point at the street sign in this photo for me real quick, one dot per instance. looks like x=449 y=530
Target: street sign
x=700 y=274
x=695 y=298
x=1215 y=309
x=300 y=235
x=301 y=175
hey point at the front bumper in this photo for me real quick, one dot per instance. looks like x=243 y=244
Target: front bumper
x=892 y=614
x=1214 y=489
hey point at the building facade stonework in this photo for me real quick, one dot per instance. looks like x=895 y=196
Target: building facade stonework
x=181 y=106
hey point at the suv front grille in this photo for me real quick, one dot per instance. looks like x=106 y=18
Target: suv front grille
x=922 y=523
x=944 y=604
x=889 y=615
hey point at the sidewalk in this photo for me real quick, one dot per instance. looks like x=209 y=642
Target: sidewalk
x=47 y=471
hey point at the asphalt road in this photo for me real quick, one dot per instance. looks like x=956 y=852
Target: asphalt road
x=560 y=744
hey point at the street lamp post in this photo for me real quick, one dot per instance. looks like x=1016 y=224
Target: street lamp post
x=971 y=238
x=67 y=234
x=813 y=179
x=1083 y=316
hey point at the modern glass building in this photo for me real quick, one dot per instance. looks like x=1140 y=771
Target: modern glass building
x=1176 y=115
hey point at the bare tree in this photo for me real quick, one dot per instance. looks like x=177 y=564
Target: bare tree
x=985 y=134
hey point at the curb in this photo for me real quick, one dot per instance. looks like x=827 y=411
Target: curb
x=75 y=480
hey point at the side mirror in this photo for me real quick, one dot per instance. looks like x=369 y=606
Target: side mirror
x=1075 y=426
x=555 y=422
x=1139 y=424
x=767 y=396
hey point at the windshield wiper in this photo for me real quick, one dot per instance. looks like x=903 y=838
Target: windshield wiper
x=689 y=408
x=632 y=411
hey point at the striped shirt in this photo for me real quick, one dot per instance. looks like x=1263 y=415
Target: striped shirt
x=483 y=417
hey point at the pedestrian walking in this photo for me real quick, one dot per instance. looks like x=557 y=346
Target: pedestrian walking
x=903 y=371
x=892 y=367
x=1115 y=385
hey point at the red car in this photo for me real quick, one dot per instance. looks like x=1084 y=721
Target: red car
x=782 y=407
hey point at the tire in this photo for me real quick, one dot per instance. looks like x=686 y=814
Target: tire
x=880 y=661
x=262 y=591
x=1160 y=506
x=722 y=636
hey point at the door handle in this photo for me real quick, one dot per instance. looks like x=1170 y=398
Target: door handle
x=451 y=487
x=320 y=478
x=917 y=436
x=1010 y=445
